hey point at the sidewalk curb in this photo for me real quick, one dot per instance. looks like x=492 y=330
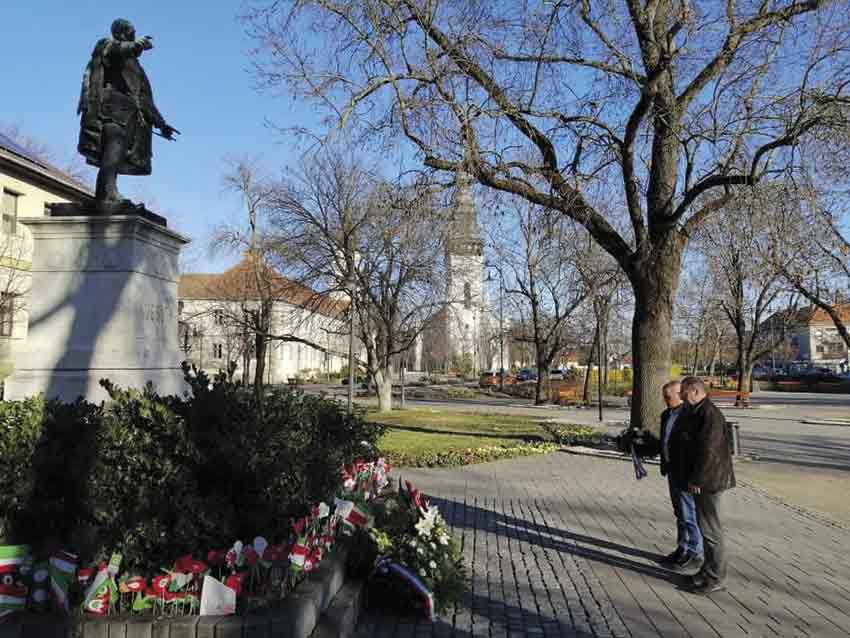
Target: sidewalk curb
x=839 y=422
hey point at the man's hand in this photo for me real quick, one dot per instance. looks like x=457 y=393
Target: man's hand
x=694 y=489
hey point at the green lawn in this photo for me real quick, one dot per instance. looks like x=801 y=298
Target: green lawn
x=433 y=437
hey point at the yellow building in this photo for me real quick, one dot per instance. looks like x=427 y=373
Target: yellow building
x=28 y=185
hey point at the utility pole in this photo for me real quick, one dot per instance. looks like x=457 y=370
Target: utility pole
x=501 y=335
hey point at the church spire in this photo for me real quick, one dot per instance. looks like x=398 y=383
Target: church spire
x=464 y=232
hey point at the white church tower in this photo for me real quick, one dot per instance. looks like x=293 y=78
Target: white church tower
x=465 y=268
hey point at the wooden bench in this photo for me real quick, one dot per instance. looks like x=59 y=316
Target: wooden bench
x=565 y=393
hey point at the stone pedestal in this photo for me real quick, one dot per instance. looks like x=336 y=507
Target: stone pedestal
x=103 y=304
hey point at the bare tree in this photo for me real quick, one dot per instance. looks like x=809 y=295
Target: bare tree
x=543 y=267
x=735 y=245
x=250 y=295
x=15 y=259
x=813 y=252
x=75 y=167
x=343 y=231
x=674 y=101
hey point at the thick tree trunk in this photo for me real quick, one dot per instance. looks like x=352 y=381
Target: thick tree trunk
x=541 y=389
x=745 y=372
x=654 y=286
x=261 y=343
x=384 y=384
x=585 y=393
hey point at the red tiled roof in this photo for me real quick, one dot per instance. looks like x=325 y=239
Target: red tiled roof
x=240 y=283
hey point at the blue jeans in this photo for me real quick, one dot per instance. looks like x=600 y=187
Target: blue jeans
x=688 y=535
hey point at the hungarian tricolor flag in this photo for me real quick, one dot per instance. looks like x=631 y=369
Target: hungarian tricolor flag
x=13 y=593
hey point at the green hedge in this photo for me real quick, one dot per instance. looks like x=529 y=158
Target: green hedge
x=573 y=434
x=157 y=477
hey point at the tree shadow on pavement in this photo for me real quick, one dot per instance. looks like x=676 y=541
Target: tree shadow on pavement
x=478 y=615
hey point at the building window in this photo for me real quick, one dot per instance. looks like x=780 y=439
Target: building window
x=218 y=317
x=10 y=212
x=218 y=351
x=7 y=314
x=467 y=295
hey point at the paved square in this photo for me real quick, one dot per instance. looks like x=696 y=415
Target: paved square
x=563 y=545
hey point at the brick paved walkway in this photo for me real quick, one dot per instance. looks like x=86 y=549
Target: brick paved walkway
x=563 y=545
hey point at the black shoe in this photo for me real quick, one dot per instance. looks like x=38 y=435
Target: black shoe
x=706 y=587
x=687 y=562
x=671 y=558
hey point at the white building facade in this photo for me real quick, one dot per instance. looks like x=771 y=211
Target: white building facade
x=213 y=334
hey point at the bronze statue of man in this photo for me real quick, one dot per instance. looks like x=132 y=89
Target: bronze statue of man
x=118 y=114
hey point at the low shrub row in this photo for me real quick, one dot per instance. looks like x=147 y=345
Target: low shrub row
x=450 y=458
x=572 y=434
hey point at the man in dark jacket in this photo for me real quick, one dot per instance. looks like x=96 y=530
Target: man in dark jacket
x=670 y=447
x=708 y=466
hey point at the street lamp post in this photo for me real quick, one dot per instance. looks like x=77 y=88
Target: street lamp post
x=501 y=326
x=351 y=347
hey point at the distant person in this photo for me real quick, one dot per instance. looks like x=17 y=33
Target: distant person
x=708 y=456
x=672 y=448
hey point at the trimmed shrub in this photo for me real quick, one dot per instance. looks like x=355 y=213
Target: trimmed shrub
x=157 y=477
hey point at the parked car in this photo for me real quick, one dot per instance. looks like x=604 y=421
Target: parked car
x=557 y=374
x=526 y=374
x=490 y=379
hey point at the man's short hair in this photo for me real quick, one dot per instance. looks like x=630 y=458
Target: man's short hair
x=695 y=383
x=120 y=26
x=670 y=384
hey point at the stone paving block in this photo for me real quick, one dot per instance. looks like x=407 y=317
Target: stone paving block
x=140 y=628
x=183 y=627
x=161 y=628
x=205 y=627
x=118 y=628
x=302 y=609
x=229 y=627
x=256 y=626
x=340 y=618
x=43 y=625
x=98 y=628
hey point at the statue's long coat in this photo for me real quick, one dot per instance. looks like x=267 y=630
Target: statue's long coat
x=140 y=129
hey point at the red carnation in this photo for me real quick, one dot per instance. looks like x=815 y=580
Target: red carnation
x=84 y=575
x=198 y=567
x=215 y=557
x=183 y=564
x=273 y=553
x=234 y=581
x=250 y=555
x=160 y=583
x=136 y=583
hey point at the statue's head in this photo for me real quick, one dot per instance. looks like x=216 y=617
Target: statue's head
x=123 y=30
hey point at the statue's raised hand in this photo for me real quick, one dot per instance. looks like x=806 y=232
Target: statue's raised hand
x=168 y=131
x=146 y=42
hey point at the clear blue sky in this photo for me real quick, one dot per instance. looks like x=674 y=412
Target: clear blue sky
x=198 y=70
